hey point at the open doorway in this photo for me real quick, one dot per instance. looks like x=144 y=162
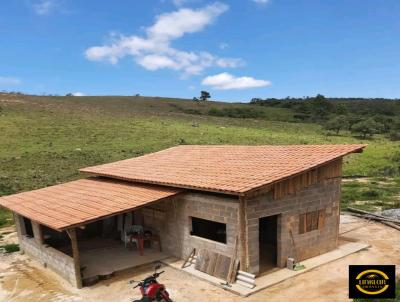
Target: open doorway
x=268 y=243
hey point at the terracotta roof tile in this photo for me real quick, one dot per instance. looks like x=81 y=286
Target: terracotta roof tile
x=81 y=201
x=221 y=168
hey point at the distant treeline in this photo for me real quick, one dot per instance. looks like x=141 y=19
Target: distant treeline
x=383 y=106
x=362 y=116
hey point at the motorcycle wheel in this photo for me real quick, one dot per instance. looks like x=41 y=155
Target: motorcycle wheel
x=160 y=298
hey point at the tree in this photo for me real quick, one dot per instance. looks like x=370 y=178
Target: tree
x=319 y=107
x=352 y=120
x=341 y=109
x=204 y=95
x=367 y=127
x=394 y=133
x=337 y=123
x=256 y=101
x=386 y=121
x=69 y=94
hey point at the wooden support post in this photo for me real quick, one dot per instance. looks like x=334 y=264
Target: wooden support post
x=243 y=245
x=75 y=255
x=20 y=226
x=37 y=233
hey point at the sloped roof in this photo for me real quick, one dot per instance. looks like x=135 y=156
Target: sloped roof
x=222 y=168
x=82 y=201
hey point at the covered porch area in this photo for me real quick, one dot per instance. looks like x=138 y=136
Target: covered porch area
x=102 y=258
x=88 y=230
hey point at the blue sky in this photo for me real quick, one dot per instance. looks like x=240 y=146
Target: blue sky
x=234 y=49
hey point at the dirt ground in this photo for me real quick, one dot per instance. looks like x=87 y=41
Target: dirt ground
x=21 y=279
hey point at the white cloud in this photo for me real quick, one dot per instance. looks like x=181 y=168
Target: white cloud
x=44 y=7
x=78 y=93
x=226 y=81
x=154 y=50
x=154 y=62
x=261 y=1
x=10 y=81
x=174 y=25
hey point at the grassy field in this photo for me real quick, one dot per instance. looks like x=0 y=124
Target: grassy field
x=375 y=194
x=45 y=140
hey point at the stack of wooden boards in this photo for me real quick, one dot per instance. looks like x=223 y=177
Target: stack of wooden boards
x=220 y=265
x=213 y=264
x=223 y=267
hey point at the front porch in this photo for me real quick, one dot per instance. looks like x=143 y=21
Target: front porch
x=85 y=228
x=102 y=258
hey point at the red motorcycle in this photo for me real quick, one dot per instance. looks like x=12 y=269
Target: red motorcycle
x=151 y=290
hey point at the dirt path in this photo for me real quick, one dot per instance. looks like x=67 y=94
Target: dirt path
x=22 y=279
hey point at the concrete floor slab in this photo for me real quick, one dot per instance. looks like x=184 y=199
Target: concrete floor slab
x=275 y=277
x=114 y=257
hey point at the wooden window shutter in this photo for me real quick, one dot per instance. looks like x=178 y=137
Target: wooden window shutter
x=309 y=222
x=302 y=224
x=314 y=221
x=321 y=219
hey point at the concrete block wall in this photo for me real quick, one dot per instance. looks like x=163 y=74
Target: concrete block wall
x=175 y=225
x=324 y=195
x=57 y=261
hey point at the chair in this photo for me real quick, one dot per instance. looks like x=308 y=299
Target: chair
x=130 y=231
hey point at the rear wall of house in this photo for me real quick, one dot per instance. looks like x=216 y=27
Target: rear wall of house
x=323 y=195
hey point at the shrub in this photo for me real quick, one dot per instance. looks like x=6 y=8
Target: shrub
x=367 y=127
x=394 y=135
x=370 y=194
x=236 y=112
x=337 y=123
x=10 y=248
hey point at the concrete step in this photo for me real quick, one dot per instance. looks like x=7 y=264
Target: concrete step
x=246 y=274
x=245 y=284
x=246 y=279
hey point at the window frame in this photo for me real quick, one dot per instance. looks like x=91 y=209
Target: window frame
x=211 y=239
x=311 y=221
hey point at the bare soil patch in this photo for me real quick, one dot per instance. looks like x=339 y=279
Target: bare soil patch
x=22 y=279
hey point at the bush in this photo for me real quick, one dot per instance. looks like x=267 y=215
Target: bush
x=236 y=112
x=367 y=127
x=370 y=194
x=187 y=110
x=394 y=135
x=337 y=123
x=10 y=248
x=396 y=157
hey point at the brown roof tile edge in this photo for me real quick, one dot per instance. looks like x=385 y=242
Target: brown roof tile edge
x=358 y=148
x=173 y=192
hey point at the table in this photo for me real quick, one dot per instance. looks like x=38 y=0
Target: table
x=141 y=239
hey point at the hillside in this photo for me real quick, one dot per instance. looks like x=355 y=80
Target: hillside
x=45 y=140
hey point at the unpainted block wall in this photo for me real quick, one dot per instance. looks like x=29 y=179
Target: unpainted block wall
x=174 y=224
x=57 y=261
x=324 y=195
